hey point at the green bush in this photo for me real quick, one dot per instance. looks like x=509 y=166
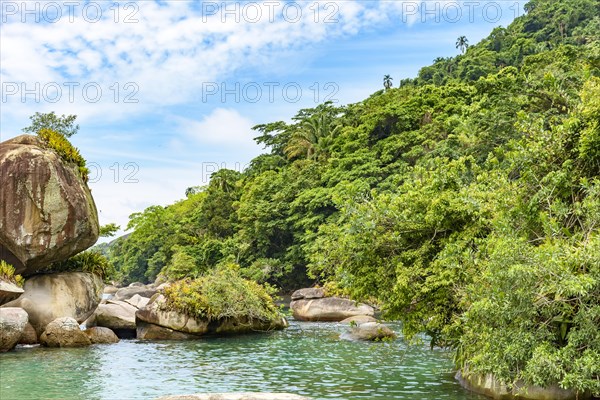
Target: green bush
x=222 y=293
x=7 y=273
x=88 y=261
x=65 y=150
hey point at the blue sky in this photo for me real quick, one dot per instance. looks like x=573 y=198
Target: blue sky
x=166 y=92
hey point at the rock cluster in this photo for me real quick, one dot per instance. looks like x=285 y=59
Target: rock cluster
x=155 y=321
x=311 y=305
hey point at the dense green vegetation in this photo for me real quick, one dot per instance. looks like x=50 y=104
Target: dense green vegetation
x=220 y=294
x=67 y=152
x=466 y=202
x=64 y=124
x=90 y=261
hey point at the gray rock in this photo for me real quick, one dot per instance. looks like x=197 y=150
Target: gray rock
x=29 y=336
x=66 y=294
x=136 y=284
x=50 y=214
x=116 y=315
x=371 y=331
x=128 y=292
x=12 y=324
x=101 y=335
x=138 y=301
x=64 y=332
x=110 y=289
x=308 y=293
x=9 y=292
x=328 y=309
x=489 y=386
x=359 y=319
x=155 y=313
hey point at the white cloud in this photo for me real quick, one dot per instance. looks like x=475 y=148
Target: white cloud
x=223 y=127
x=168 y=53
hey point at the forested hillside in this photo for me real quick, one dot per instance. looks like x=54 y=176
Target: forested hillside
x=466 y=203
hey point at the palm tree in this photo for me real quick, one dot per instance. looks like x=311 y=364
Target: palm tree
x=462 y=43
x=313 y=137
x=387 y=81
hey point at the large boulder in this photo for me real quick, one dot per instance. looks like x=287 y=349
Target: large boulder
x=370 y=331
x=29 y=335
x=155 y=313
x=138 y=301
x=64 y=332
x=328 y=309
x=308 y=293
x=236 y=396
x=128 y=292
x=116 y=315
x=66 y=294
x=101 y=335
x=9 y=292
x=12 y=324
x=47 y=212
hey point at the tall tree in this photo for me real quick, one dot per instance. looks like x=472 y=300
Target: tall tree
x=387 y=81
x=462 y=43
x=65 y=124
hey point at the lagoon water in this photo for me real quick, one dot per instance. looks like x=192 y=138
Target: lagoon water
x=307 y=359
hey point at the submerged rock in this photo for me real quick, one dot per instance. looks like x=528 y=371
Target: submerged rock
x=47 y=212
x=64 y=332
x=156 y=314
x=66 y=294
x=489 y=386
x=328 y=309
x=236 y=396
x=371 y=331
x=101 y=335
x=359 y=319
x=12 y=324
x=9 y=292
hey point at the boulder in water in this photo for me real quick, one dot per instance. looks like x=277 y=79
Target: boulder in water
x=64 y=332
x=371 y=331
x=156 y=313
x=118 y=316
x=359 y=319
x=101 y=335
x=65 y=294
x=29 y=336
x=328 y=309
x=12 y=324
x=47 y=213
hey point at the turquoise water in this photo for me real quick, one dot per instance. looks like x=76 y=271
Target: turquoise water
x=307 y=359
